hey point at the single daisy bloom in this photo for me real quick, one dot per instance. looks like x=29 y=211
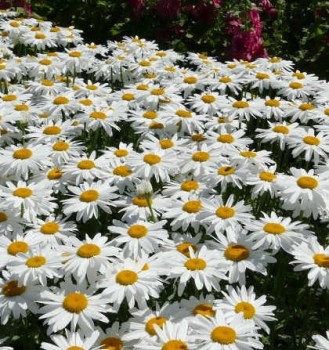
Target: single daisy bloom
x=203 y=306
x=72 y=305
x=88 y=258
x=312 y=256
x=88 y=198
x=72 y=341
x=243 y=300
x=224 y=333
x=208 y=102
x=113 y=338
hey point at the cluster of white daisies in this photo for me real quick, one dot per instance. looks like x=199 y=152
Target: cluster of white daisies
x=194 y=174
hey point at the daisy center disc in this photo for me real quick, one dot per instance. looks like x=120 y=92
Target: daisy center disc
x=226 y=170
x=236 y=252
x=195 y=264
x=88 y=250
x=307 y=182
x=152 y=159
x=225 y=80
x=49 y=228
x=89 y=196
x=272 y=103
x=295 y=85
x=184 y=248
x=23 y=153
x=192 y=207
x=321 y=260
x=86 y=102
x=223 y=335
x=61 y=100
x=122 y=171
x=248 y=154
x=137 y=231
x=23 y=192
x=225 y=138
x=183 y=113
x=166 y=143
x=141 y=201
x=126 y=277
x=52 y=130
x=61 y=146
x=274 y=228
x=306 y=107
x=240 y=104
x=311 y=140
x=3 y=216
x=75 y=348
x=157 y=92
x=75 y=54
x=17 y=247
x=98 y=115
x=267 y=176
x=201 y=156
x=159 y=321
x=190 y=80
x=120 y=153
x=247 y=309
x=86 y=164
x=225 y=212
x=11 y=289
x=204 y=310
x=75 y=302
x=262 y=76
x=21 y=108
x=128 y=97
x=198 y=137
x=35 y=261
x=9 y=98
x=112 y=343
x=174 y=345
x=189 y=186
x=54 y=174
x=281 y=129
x=150 y=115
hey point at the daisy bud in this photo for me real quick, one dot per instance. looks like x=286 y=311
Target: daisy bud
x=144 y=189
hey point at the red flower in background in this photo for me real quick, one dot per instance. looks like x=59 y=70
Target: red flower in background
x=168 y=9
x=5 y=4
x=137 y=7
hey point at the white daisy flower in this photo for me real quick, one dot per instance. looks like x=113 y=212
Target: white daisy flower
x=113 y=337
x=321 y=342
x=203 y=306
x=208 y=102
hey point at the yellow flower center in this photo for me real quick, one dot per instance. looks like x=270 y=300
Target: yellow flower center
x=223 y=335
x=262 y=76
x=225 y=80
x=157 y=92
x=204 y=310
x=35 y=261
x=75 y=302
x=61 y=146
x=21 y=108
x=54 y=174
x=144 y=63
x=122 y=171
x=267 y=176
x=49 y=228
x=40 y=36
x=306 y=106
x=298 y=75
x=236 y=252
x=321 y=260
x=208 y=98
x=296 y=85
x=52 y=130
x=86 y=102
x=183 y=113
x=45 y=62
x=201 y=156
x=247 y=309
x=126 y=277
x=225 y=138
x=225 y=212
x=195 y=264
x=152 y=159
x=326 y=111
x=272 y=103
x=75 y=54
x=166 y=143
x=198 y=137
x=75 y=348
x=189 y=185
x=174 y=345
x=141 y=201
x=137 y=231
x=11 y=289
x=240 y=104
x=150 y=115
x=192 y=207
x=190 y=80
x=281 y=129
x=128 y=97
x=120 y=153
x=17 y=247
x=92 y=87
x=156 y=126
x=9 y=98
x=86 y=164
x=274 y=228
x=98 y=115
x=159 y=321
x=22 y=153
x=275 y=60
x=88 y=250
x=89 y=196
x=183 y=248
x=150 y=75
x=45 y=82
x=14 y=24
x=226 y=170
x=307 y=182
x=248 y=154
x=170 y=69
x=311 y=140
x=61 y=100
x=112 y=343
x=142 y=87
x=23 y=192
x=3 y=216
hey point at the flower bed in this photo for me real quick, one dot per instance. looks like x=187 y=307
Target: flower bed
x=153 y=200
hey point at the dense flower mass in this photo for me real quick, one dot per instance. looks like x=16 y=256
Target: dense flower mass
x=144 y=192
